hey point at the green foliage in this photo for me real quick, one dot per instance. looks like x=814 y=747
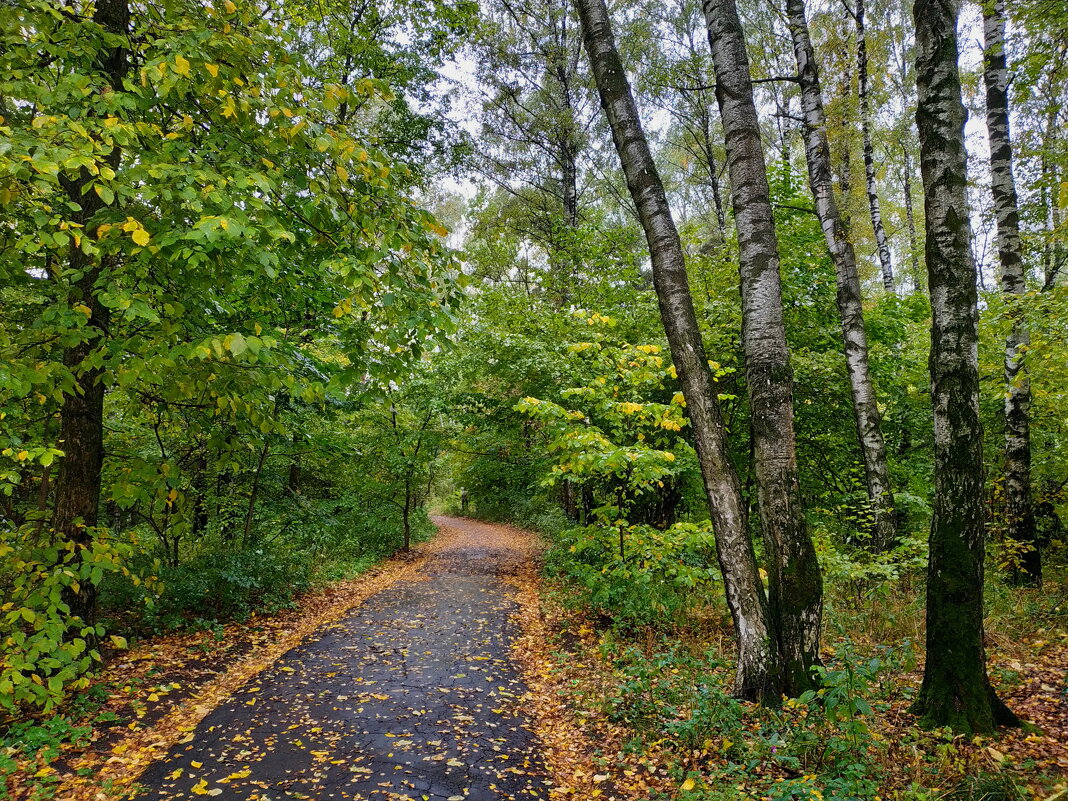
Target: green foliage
x=664 y=575
x=856 y=570
x=223 y=586
x=224 y=240
x=42 y=741
x=988 y=787
x=46 y=650
x=624 y=440
x=816 y=747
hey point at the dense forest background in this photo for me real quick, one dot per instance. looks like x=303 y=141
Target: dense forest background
x=276 y=281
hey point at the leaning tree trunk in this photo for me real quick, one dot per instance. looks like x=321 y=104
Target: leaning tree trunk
x=758 y=675
x=1019 y=516
x=795 y=584
x=865 y=405
x=955 y=691
x=864 y=92
x=81 y=432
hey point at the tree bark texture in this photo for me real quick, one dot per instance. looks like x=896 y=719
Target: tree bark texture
x=81 y=434
x=1019 y=515
x=864 y=92
x=910 y=214
x=850 y=310
x=955 y=691
x=757 y=676
x=795 y=583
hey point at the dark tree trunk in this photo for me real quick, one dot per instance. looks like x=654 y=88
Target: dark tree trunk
x=850 y=309
x=955 y=691
x=864 y=92
x=758 y=672
x=910 y=214
x=713 y=170
x=296 y=468
x=795 y=583
x=570 y=492
x=250 y=512
x=562 y=67
x=406 y=514
x=1019 y=516
x=81 y=431
x=199 y=481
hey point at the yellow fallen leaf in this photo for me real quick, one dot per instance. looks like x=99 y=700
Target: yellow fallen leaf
x=688 y=785
x=197 y=764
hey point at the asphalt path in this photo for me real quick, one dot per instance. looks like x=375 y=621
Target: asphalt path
x=412 y=695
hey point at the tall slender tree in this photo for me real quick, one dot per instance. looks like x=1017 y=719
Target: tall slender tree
x=1019 y=515
x=795 y=584
x=535 y=113
x=956 y=690
x=757 y=676
x=818 y=157
x=901 y=78
x=882 y=246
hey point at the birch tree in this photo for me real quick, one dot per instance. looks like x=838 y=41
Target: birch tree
x=1019 y=516
x=795 y=583
x=882 y=246
x=956 y=690
x=854 y=337
x=757 y=673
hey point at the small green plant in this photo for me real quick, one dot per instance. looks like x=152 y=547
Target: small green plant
x=988 y=787
x=41 y=741
x=665 y=574
x=46 y=651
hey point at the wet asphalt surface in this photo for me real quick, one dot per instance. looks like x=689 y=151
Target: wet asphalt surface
x=412 y=695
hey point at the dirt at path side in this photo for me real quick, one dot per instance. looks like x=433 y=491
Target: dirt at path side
x=411 y=695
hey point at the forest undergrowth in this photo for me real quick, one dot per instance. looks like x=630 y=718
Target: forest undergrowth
x=649 y=673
